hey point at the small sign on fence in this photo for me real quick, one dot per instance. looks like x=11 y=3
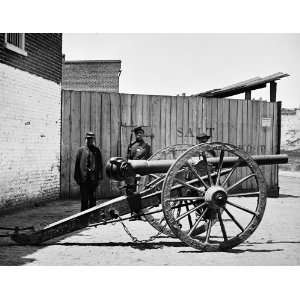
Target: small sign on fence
x=266 y=122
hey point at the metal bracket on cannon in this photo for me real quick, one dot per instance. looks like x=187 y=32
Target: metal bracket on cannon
x=120 y=169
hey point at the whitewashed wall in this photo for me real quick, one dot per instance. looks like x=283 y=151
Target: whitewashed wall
x=29 y=137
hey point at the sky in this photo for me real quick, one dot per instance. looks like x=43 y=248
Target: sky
x=171 y=64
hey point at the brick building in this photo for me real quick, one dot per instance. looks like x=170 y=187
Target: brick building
x=290 y=129
x=30 y=98
x=91 y=75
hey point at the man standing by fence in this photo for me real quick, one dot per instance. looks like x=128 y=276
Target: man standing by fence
x=88 y=171
x=139 y=149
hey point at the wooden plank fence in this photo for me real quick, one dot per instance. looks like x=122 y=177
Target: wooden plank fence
x=251 y=125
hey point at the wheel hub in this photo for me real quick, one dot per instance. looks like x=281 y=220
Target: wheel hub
x=215 y=197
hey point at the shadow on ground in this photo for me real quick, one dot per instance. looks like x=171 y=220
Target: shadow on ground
x=236 y=251
x=287 y=196
x=12 y=254
x=251 y=244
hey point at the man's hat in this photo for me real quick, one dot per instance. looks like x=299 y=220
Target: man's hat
x=202 y=135
x=138 y=129
x=89 y=135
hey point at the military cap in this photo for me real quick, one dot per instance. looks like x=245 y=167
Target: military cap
x=138 y=129
x=89 y=135
x=202 y=135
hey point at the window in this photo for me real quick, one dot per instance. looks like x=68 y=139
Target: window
x=15 y=42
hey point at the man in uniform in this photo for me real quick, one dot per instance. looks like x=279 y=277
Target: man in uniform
x=201 y=167
x=202 y=138
x=139 y=149
x=88 y=171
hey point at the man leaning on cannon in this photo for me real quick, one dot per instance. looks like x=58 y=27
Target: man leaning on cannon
x=88 y=171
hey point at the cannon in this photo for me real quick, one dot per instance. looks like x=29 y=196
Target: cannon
x=211 y=196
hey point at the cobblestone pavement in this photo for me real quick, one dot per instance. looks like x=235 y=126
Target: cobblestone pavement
x=275 y=242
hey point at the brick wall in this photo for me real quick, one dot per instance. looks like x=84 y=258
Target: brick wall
x=102 y=76
x=290 y=131
x=44 y=55
x=29 y=138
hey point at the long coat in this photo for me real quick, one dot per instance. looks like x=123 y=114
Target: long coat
x=81 y=173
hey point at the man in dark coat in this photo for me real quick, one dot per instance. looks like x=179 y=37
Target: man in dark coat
x=88 y=171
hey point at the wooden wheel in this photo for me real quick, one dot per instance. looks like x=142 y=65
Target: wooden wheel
x=154 y=182
x=158 y=220
x=230 y=215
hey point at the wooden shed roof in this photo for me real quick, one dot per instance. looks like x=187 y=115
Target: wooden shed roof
x=243 y=86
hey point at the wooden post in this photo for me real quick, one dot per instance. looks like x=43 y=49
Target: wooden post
x=278 y=127
x=273 y=87
x=248 y=95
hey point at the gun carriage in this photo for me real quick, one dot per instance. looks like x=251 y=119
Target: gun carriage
x=192 y=192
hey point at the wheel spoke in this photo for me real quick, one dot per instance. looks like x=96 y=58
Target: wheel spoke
x=178 y=212
x=222 y=226
x=184 y=199
x=239 y=182
x=155 y=176
x=235 y=166
x=223 y=172
x=190 y=211
x=244 y=194
x=193 y=169
x=158 y=193
x=189 y=216
x=242 y=208
x=197 y=222
x=206 y=166
x=220 y=166
x=161 y=219
x=186 y=184
x=156 y=181
x=208 y=231
x=233 y=219
x=179 y=209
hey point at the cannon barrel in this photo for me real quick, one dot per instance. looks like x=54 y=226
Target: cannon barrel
x=146 y=167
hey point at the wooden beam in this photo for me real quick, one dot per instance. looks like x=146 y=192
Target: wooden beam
x=273 y=88
x=101 y=213
x=235 y=91
x=248 y=95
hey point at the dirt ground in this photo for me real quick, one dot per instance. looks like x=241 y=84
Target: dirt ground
x=275 y=242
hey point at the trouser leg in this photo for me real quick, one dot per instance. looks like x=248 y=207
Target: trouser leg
x=84 y=190
x=92 y=195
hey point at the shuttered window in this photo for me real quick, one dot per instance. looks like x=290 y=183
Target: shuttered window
x=15 y=42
